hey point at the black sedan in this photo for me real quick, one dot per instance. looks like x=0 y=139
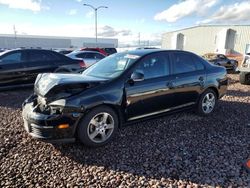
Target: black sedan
x=119 y=89
x=20 y=67
x=222 y=60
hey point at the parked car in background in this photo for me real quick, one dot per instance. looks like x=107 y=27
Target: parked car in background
x=145 y=48
x=245 y=70
x=88 y=57
x=104 y=51
x=222 y=60
x=121 y=88
x=20 y=67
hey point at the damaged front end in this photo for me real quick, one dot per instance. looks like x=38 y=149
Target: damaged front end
x=50 y=113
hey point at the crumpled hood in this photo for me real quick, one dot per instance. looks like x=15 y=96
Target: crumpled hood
x=56 y=85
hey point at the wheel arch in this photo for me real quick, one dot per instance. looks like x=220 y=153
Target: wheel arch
x=214 y=89
x=114 y=107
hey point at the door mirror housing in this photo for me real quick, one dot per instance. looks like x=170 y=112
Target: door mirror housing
x=137 y=76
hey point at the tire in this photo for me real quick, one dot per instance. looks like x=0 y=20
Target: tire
x=99 y=132
x=245 y=78
x=207 y=103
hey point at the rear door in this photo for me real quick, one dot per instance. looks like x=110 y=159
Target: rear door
x=38 y=61
x=189 y=78
x=11 y=69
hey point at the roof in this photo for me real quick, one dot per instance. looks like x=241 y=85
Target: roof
x=208 y=25
x=142 y=52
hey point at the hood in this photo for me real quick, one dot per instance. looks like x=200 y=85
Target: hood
x=56 y=86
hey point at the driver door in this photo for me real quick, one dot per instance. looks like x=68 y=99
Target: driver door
x=154 y=94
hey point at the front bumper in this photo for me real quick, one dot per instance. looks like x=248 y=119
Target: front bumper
x=45 y=127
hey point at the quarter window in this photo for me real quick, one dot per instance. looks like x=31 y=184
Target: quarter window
x=155 y=65
x=183 y=63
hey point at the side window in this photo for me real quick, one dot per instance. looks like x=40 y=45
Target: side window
x=12 y=58
x=90 y=55
x=183 y=63
x=154 y=65
x=39 y=56
x=53 y=56
x=99 y=56
x=198 y=63
x=81 y=55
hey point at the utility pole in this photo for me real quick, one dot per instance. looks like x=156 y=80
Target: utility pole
x=95 y=9
x=15 y=32
x=139 y=39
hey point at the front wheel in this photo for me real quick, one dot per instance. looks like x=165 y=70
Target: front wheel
x=207 y=103
x=98 y=127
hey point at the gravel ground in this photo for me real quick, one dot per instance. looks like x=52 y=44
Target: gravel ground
x=180 y=150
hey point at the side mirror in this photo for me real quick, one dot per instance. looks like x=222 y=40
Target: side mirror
x=137 y=76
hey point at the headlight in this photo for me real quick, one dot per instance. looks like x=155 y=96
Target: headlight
x=57 y=106
x=41 y=100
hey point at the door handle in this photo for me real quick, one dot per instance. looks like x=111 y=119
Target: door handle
x=170 y=85
x=201 y=78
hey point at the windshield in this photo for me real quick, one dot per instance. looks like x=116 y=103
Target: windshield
x=111 y=66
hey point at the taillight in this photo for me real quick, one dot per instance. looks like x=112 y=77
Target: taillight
x=82 y=64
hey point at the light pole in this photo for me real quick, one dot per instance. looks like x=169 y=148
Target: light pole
x=95 y=9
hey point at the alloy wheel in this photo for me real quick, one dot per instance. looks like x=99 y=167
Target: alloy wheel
x=100 y=127
x=208 y=103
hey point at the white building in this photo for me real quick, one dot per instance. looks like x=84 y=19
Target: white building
x=10 y=41
x=209 y=38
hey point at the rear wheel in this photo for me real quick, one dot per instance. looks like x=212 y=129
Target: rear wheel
x=98 y=127
x=245 y=78
x=207 y=103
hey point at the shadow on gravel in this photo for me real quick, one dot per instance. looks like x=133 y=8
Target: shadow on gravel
x=14 y=98
x=238 y=93
x=183 y=146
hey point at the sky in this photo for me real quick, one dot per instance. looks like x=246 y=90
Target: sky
x=122 y=19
